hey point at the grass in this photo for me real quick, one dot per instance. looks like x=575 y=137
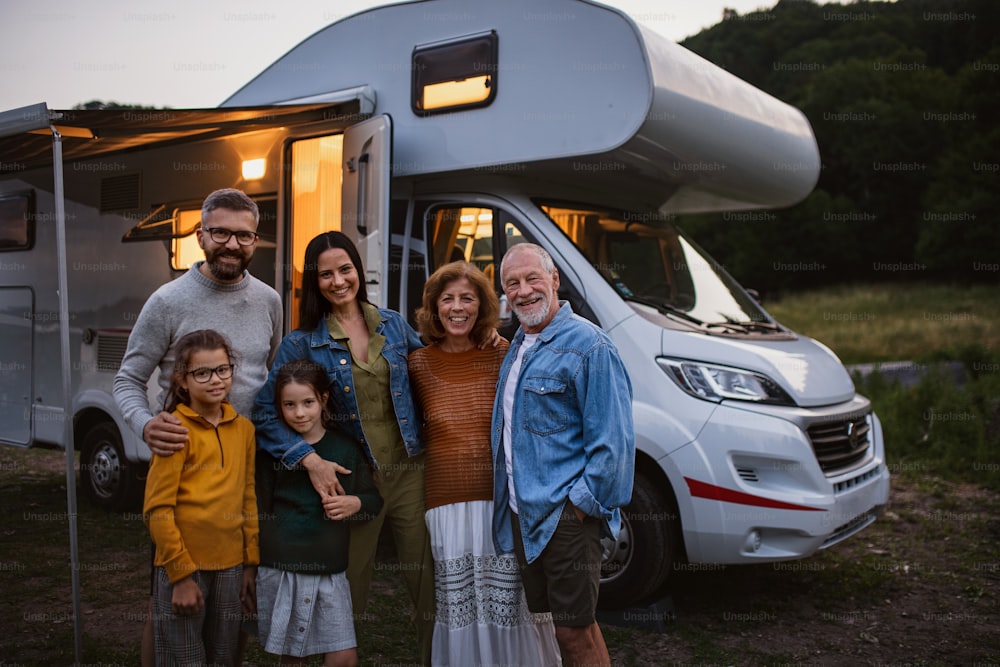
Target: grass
x=937 y=544
x=878 y=323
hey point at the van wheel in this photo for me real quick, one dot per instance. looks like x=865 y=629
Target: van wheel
x=639 y=561
x=107 y=477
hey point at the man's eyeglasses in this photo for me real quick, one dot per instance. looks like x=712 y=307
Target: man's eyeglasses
x=221 y=236
x=202 y=375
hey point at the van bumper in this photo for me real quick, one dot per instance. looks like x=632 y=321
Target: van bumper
x=756 y=491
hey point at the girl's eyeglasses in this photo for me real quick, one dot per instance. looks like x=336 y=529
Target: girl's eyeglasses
x=225 y=371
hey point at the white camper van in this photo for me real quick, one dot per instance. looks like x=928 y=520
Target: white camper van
x=449 y=129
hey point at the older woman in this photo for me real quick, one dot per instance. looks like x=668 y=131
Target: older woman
x=482 y=618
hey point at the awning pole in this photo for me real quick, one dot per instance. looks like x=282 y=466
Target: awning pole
x=70 y=448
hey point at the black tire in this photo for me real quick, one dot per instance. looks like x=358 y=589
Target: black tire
x=637 y=564
x=107 y=478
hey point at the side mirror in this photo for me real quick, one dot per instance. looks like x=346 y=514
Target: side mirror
x=505 y=312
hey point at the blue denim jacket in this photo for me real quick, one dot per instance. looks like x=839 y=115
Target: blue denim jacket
x=572 y=433
x=284 y=444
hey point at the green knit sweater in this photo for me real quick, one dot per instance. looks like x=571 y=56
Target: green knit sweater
x=295 y=534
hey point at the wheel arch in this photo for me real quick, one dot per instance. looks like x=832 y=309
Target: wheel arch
x=86 y=419
x=93 y=407
x=652 y=471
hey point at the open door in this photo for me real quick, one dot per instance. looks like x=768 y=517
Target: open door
x=365 y=199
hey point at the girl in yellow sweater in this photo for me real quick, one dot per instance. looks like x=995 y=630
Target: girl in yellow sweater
x=201 y=512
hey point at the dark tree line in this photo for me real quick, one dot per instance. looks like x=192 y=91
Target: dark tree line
x=903 y=98
x=99 y=104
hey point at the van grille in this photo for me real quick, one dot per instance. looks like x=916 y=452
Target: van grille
x=840 y=445
x=111 y=351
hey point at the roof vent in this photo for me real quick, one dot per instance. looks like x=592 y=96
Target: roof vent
x=120 y=193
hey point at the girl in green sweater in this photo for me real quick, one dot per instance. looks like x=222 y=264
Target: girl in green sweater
x=303 y=598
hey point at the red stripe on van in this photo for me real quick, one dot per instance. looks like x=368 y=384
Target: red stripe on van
x=713 y=492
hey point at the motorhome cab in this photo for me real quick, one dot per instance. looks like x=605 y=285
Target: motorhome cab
x=454 y=129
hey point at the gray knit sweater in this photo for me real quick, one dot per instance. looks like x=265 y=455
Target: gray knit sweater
x=248 y=313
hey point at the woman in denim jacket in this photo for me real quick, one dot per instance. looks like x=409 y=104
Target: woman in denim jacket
x=364 y=350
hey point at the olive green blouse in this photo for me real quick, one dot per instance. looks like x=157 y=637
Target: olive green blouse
x=372 y=392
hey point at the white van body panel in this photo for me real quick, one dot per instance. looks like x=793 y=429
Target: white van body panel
x=782 y=495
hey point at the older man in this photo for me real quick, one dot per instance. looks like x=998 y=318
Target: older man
x=563 y=451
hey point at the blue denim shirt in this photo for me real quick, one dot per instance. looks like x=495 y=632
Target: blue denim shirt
x=572 y=434
x=284 y=444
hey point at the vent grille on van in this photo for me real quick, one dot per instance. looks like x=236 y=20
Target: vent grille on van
x=840 y=445
x=120 y=192
x=110 y=351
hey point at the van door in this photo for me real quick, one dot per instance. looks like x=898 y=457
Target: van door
x=16 y=334
x=365 y=199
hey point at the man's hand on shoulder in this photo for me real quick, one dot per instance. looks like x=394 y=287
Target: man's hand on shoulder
x=164 y=434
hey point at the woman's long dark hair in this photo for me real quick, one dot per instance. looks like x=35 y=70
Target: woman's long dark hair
x=202 y=339
x=313 y=306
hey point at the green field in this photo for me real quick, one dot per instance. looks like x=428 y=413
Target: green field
x=896 y=322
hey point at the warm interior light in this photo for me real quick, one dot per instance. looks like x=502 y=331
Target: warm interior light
x=185 y=250
x=254 y=169
x=67 y=131
x=456 y=93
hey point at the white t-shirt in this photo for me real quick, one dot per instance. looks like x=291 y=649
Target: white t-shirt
x=508 y=411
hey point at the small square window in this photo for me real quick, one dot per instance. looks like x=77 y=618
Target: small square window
x=17 y=221
x=457 y=74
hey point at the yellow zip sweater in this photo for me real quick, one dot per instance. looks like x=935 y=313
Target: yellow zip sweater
x=201 y=509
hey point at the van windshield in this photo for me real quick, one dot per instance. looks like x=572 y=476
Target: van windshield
x=648 y=261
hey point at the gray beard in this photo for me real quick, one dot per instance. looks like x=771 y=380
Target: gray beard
x=533 y=320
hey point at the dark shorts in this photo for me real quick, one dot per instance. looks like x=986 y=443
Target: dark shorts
x=566 y=576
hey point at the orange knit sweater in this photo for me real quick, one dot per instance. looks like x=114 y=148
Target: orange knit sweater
x=455 y=392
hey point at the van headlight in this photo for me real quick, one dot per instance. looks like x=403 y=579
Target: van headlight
x=716 y=383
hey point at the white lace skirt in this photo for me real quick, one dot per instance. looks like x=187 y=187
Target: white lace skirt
x=482 y=617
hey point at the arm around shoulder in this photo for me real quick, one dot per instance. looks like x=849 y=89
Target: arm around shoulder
x=148 y=344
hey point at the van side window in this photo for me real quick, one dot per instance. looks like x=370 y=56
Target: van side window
x=17 y=221
x=184 y=248
x=458 y=232
x=457 y=74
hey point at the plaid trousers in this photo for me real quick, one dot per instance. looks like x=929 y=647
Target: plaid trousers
x=210 y=637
